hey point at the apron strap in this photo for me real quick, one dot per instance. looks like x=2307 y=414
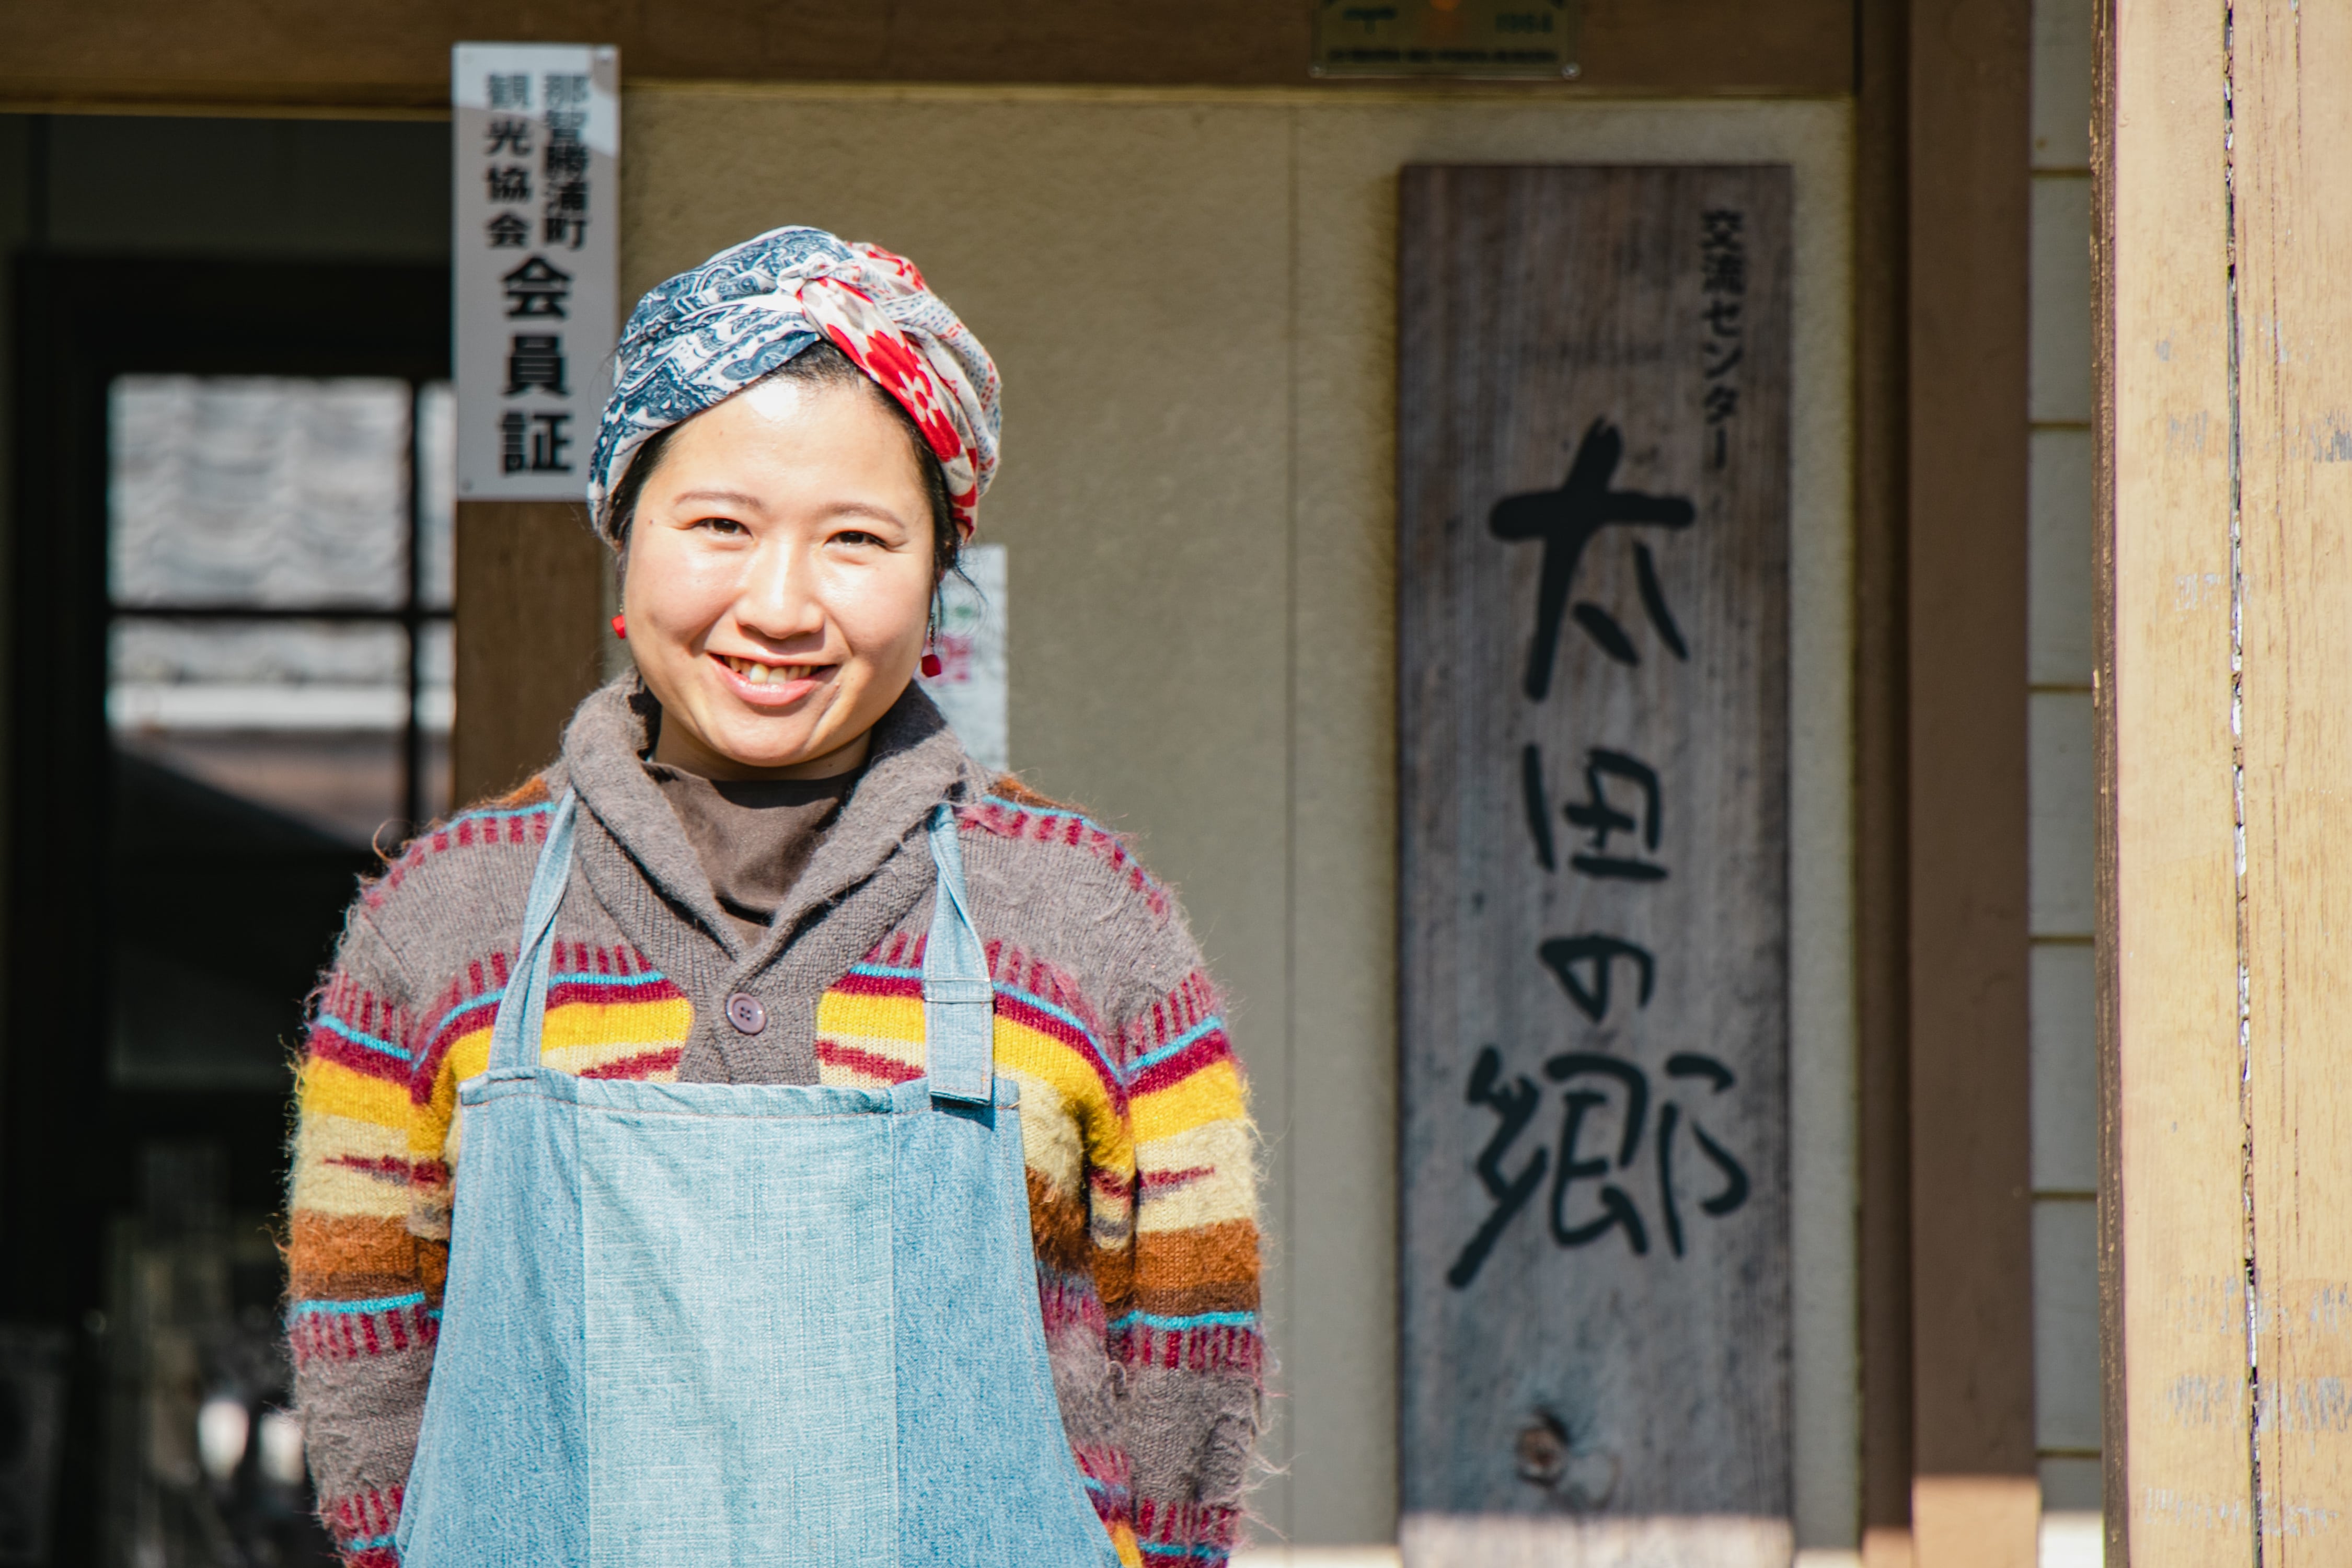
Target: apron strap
x=959 y=1001
x=522 y=1011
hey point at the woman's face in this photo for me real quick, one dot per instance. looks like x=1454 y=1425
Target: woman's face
x=779 y=580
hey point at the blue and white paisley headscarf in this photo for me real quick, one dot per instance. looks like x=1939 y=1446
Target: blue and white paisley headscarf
x=707 y=334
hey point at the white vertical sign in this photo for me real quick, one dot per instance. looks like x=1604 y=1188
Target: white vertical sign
x=970 y=686
x=535 y=211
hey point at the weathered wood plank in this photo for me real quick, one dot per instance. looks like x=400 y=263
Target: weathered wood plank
x=529 y=633
x=2292 y=213
x=1593 y=715
x=2173 y=1269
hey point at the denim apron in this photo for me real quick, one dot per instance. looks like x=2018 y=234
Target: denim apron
x=711 y=1326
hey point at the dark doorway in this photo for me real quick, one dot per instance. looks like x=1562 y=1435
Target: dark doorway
x=228 y=682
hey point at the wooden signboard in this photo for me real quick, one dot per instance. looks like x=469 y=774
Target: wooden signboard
x=1594 y=516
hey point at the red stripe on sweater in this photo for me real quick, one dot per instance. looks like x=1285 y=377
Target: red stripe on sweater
x=645 y=1064
x=1113 y=1493
x=1211 y=1348
x=327 y=1045
x=479 y=978
x=363 y=1516
x=390 y=1167
x=463 y=831
x=1070 y=1301
x=867 y=1064
x=1159 y=1183
x=560 y=994
x=1192 y=1002
x=349 y=1336
x=1069 y=830
x=1008 y=965
x=1209 y=1049
x=1183 y=1523
x=856 y=985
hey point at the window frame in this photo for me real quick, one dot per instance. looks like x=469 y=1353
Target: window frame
x=68 y=1137
x=413 y=614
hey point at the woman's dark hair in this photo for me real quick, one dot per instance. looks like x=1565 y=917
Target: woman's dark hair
x=821 y=364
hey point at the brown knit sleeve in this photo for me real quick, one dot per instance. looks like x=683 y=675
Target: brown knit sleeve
x=1190 y=1339
x=361 y=1325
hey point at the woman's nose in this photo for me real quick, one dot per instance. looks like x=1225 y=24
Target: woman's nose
x=778 y=599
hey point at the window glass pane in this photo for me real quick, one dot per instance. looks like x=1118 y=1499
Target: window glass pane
x=436 y=499
x=304 y=718
x=259 y=490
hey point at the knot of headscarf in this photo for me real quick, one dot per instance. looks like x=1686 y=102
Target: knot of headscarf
x=707 y=334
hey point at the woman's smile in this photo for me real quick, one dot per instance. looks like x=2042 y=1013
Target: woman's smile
x=768 y=683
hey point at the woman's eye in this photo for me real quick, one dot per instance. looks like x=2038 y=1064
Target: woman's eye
x=856 y=536
x=721 y=525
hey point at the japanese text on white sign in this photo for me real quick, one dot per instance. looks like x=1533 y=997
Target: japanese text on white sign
x=535 y=212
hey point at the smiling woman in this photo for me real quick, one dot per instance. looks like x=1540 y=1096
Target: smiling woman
x=855 y=1169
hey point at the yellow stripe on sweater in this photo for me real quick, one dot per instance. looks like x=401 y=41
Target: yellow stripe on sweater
x=1212 y=1094
x=1078 y=1088
x=648 y=1025
x=877 y=1017
x=330 y=1089
x=468 y=1057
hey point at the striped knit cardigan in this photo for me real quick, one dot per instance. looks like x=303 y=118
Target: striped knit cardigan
x=1142 y=1189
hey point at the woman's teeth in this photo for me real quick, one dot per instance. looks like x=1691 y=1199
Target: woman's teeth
x=769 y=674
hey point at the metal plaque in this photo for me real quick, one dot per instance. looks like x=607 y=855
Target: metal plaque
x=1446 y=38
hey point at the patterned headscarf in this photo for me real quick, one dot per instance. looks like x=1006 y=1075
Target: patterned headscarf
x=707 y=334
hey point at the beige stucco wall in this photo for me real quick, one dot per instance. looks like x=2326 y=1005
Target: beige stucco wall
x=1191 y=299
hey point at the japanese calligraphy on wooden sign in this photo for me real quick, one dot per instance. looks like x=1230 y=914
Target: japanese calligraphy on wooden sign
x=535 y=213
x=1593 y=517
x=1446 y=38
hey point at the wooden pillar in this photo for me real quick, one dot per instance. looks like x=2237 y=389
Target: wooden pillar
x=2292 y=226
x=1975 y=1498
x=2226 y=681
x=1881 y=742
x=531 y=631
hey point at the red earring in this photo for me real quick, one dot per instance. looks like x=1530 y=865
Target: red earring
x=621 y=627
x=931 y=665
